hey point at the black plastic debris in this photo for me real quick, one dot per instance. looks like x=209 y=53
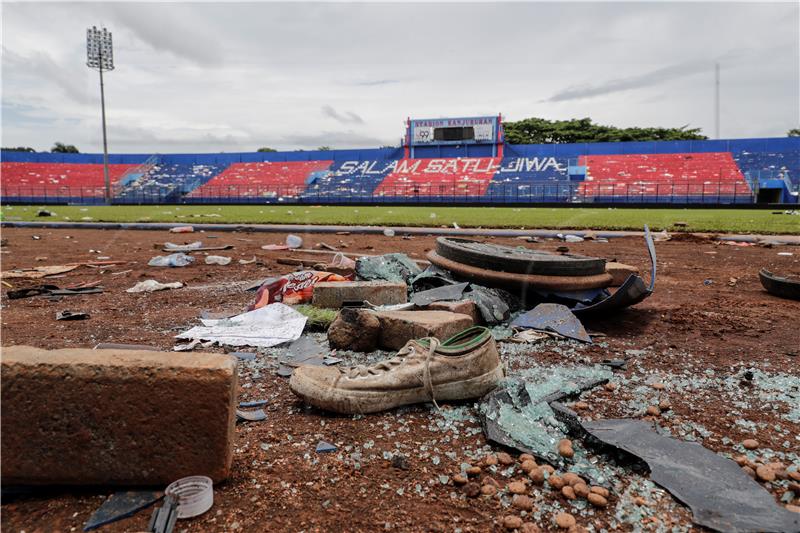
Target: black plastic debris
x=71 y=315
x=254 y=403
x=122 y=505
x=553 y=317
x=325 y=447
x=445 y=293
x=256 y=415
x=721 y=496
x=44 y=213
x=164 y=517
x=400 y=462
x=51 y=290
x=245 y=356
x=778 y=285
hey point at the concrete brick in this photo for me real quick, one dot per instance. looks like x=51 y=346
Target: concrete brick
x=620 y=272
x=115 y=417
x=398 y=327
x=333 y=294
x=462 y=307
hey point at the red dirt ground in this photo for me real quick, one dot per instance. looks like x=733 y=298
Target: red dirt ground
x=720 y=326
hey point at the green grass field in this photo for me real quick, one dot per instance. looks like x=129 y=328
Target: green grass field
x=706 y=220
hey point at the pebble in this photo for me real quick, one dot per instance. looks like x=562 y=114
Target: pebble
x=610 y=386
x=537 y=475
x=517 y=487
x=653 y=410
x=458 y=479
x=512 y=522
x=580 y=406
x=581 y=490
x=490 y=460
x=641 y=502
x=568 y=492
x=794 y=474
x=556 y=482
x=565 y=448
x=488 y=490
x=749 y=471
x=793 y=508
x=505 y=459
x=664 y=405
x=474 y=471
x=549 y=469
x=765 y=473
x=472 y=490
x=572 y=478
x=527 y=466
x=565 y=520
x=522 y=502
x=491 y=481
x=602 y=491
x=741 y=460
x=658 y=386
x=750 y=444
x=597 y=500
x=526 y=457
x=530 y=527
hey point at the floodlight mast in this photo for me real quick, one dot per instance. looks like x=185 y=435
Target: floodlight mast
x=100 y=56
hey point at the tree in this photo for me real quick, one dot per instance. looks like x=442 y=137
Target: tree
x=542 y=131
x=61 y=148
x=266 y=149
x=795 y=132
x=324 y=149
x=19 y=149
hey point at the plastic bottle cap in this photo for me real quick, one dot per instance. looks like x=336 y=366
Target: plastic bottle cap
x=194 y=494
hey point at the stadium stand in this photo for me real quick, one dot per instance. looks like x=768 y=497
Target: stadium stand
x=432 y=179
x=770 y=165
x=530 y=179
x=167 y=183
x=260 y=181
x=645 y=177
x=36 y=181
x=346 y=180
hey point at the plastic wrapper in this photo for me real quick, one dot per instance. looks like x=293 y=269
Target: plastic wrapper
x=294 y=288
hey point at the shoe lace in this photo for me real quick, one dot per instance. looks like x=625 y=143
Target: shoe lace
x=394 y=362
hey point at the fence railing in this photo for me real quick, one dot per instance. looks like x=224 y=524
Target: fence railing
x=565 y=192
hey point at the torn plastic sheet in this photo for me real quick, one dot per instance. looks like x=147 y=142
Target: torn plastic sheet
x=721 y=496
x=495 y=305
x=553 y=317
x=388 y=267
x=445 y=293
x=267 y=326
x=122 y=505
x=519 y=415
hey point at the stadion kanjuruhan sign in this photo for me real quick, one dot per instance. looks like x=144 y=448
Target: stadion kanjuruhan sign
x=423 y=131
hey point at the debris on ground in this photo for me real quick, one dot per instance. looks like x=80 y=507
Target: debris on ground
x=783 y=287
x=336 y=294
x=194 y=495
x=71 y=315
x=355 y=329
x=182 y=229
x=172 y=260
x=163 y=518
x=722 y=497
x=122 y=505
x=152 y=285
x=293 y=241
x=394 y=267
x=554 y=318
x=196 y=246
x=217 y=260
x=264 y=327
x=294 y=288
x=39 y=272
x=51 y=291
x=255 y=415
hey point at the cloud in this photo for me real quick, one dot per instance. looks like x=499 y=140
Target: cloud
x=335 y=139
x=41 y=67
x=346 y=117
x=373 y=83
x=648 y=79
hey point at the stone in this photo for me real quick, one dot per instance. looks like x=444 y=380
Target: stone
x=488 y=490
x=517 y=487
x=602 y=491
x=597 y=500
x=472 y=490
x=750 y=444
x=526 y=457
x=354 y=329
x=537 y=475
x=530 y=527
x=581 y=490
x=505 y=459
x=522 y=502
x=527 y=466
x=653 y=410
x=512 y=522
x=458 y=479
x=333 y=294
x=399 y=327
x=462 y=307
x=568 y=492
x=565 y=448
x=565 y=520
x=555 y=481
x=765 y=473
x=115 y=417
x=620 y=272
x=473 y=471
x=571 y=478
x=490 y=460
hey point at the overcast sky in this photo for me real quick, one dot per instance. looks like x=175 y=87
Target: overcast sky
x=206 y=77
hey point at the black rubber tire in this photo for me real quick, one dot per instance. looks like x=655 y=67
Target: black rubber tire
x=520 y=261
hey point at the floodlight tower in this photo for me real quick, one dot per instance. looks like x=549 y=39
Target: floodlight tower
x=100 y=56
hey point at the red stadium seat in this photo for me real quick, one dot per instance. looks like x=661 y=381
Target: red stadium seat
x=57 y=179
x=458 y=177
x=266 y=179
